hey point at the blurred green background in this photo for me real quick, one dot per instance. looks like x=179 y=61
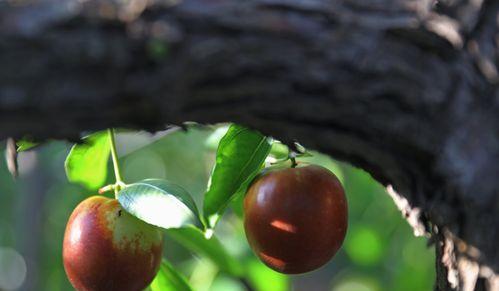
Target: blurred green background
x=379 y=252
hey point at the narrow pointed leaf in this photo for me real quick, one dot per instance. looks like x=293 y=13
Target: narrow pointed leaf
x=86 y=163
x=168 y=279
x=160 y=202
x=195 y=240
x=24 y=145
x=240 y=155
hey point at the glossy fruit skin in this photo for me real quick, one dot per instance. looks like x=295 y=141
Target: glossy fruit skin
x=106 y=248
x=295 y=218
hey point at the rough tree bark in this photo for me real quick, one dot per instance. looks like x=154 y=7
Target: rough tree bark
x=407 y=90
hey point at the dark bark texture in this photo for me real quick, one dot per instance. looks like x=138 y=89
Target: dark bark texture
x=405 y=89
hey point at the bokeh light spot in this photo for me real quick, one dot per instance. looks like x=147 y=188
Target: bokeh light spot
x=356 y=284
x=363 y=245
x=12 y=269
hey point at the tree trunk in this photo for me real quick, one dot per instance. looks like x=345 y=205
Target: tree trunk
x=405 y=89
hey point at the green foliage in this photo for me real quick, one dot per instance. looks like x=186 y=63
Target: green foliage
x=237 y=204
x=379 y=252
x=240 y=156
x=86 y=163
x=215 y=137
x=180 y=156
x=160 y=202
x=25 y=144
x=194 y=240
x=168 y=279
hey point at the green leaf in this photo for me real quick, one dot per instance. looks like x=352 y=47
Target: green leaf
x=240 y=155
x=195 y=240
x=237 y=204
x=160 y=202
x=168 y=279
x=24 y=145
x=86 y=163
x=214 y=139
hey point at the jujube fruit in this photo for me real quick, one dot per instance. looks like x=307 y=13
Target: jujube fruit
x=106 y=249
x=295 y=218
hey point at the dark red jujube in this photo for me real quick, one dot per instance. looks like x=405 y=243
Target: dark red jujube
x=295 y=218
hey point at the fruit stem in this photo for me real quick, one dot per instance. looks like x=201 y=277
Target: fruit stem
x=116 y=164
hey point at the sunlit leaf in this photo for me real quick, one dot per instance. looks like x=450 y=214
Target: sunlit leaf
x=86 y=163
x=160 y=202
x=194 y=240
x=24 y=145
x=168 y=279
x=240 y=155
x=213 y=140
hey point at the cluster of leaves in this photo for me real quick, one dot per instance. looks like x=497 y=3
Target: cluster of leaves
x=240 y=156
x=379 y=253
